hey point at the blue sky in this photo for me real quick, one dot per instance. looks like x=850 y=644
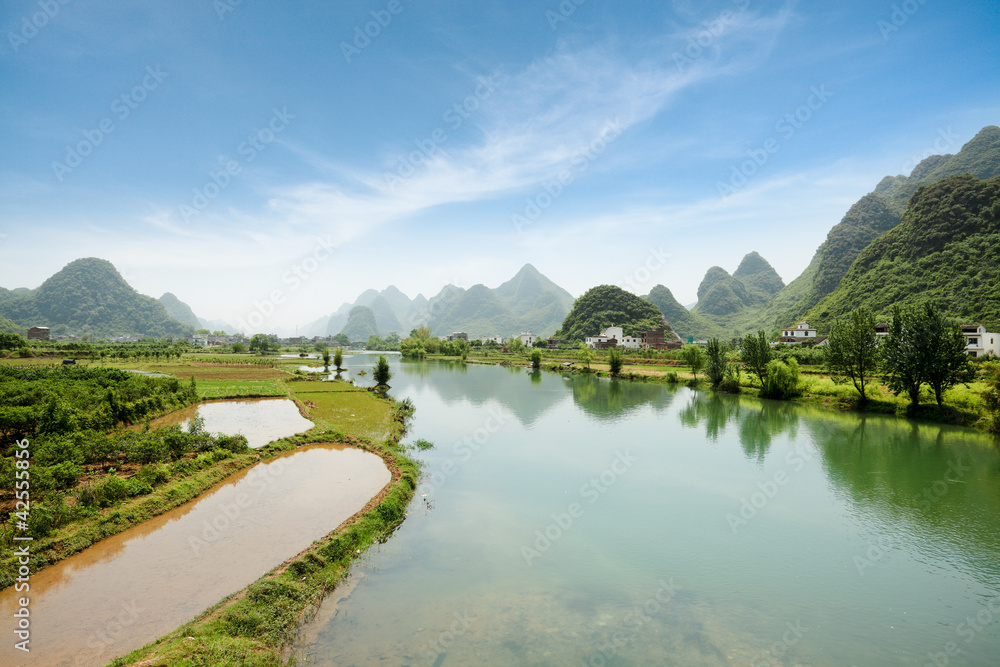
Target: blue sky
x=237 y=153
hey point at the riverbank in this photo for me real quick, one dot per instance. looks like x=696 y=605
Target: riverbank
x=256 y=625
x=964 y=405
x=341 y=414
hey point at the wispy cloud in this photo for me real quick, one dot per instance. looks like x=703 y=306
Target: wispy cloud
x=538 y=120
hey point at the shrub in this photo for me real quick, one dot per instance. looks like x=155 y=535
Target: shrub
x=672 y=377
x=154 y=475
x=782 y=380
x=536 y=359
x=616 y=359
x=232 y=443
x=112 y=489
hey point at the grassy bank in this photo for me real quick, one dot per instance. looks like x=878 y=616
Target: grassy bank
x=253 y=625
x=964 y=404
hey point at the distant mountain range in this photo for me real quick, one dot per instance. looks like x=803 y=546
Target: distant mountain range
x=528 y=301
x=934 y=233
x=89 y=297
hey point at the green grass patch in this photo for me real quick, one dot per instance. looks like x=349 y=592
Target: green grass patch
x=210 y=389
x=345 y=408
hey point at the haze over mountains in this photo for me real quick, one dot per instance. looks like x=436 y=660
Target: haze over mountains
x=934 y=233
x=528 y=301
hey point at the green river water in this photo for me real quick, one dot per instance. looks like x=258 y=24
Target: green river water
x=570 y=520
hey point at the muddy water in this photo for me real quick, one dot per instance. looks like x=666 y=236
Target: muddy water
x=130 y=589
x=261 y=420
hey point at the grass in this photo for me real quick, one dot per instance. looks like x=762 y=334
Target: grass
x=344 y=407
x=186 y=480
x=211 y=389
x=253 y=626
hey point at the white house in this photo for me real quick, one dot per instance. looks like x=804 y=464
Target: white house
x=801 y=330
x=979 y=342
x=528 y=338
x=496 y=339
x=616 y=334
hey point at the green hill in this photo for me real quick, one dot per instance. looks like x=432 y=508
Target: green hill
x=871 y=217
x=946 y=248
x=684 y=323
x=179 y=310
x=759 y=278
x=361 y=324
x=6 y=326
x=89 y=296
x=605 y=306
x=721 y=296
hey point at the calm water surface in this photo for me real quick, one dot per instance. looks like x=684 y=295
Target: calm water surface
x=261 y=420
x=129 y=589
x=569 y=520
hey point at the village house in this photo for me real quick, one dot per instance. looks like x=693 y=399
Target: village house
x=800 y=333
x=613 y=337
x=495 y=339
x=655 y=339
x=979 y=342
x=457 y=335
x=38 y=333
x=527 y=338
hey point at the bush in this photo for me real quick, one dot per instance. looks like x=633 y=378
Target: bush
x=672 y=377
x=153 y=475
x=148 y=448
x=232 y=443
x=782 y=380
x=112 y=489
x=536 y=359
x=137 y=487
x=616 y=359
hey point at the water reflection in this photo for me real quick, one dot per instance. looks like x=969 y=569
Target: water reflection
x=261 y=420
x=818 y=489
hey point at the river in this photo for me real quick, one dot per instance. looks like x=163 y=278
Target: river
x=568 y=520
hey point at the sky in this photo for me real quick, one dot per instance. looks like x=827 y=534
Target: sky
x=267 y=162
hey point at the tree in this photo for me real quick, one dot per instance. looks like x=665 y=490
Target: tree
x=756 y=353
x=717 y=362
x=782 y=381
x=585 y=355
x=338 y=358
x=11 y=341
x=923 y=346
x=515 y=345
x=992 y=395
x=853 y=351
x=616 y=359
x=326 y=360
x=693 y=357
x=259 y=344
x=341 y=339
x=901 y=356
x=421 y=333
x=239 y=348
x=536 y=359
x=945 y=362
x=381 y=372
